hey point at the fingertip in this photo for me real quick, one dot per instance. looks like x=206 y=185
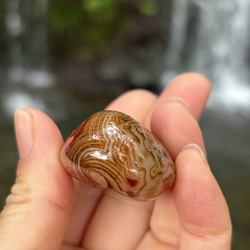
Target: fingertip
x=194 y=88
x=132 y=98
x=24 y=132
x=41 y=165
x=193 y=80
x=197 y=78
x=43 y=161
x=196 y=147
x=173 y=124
x=44 y=127
x=135 y=103
x=42 y=195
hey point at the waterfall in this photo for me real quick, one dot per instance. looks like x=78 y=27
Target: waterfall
x=26 y=26
x=215 y=44
x=27 y=67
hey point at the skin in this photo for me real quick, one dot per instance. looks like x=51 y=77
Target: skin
x=47 y=209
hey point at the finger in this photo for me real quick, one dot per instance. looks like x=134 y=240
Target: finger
x=193 y=88
x=135 y=103
x=173 y=124
x=116 y=222
x=204 y=215
x=164 y=226
x=86 y=198
x=40 y=201
x=175 y=127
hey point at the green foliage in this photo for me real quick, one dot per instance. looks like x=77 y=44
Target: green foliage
x=98 y=5
x=88 y=28
x=148 y=8
x=64 y=15
x=105 y=10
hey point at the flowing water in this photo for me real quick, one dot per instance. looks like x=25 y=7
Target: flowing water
x=26 y=26
x=216 y=44
x=208 y=36
x=213 y=38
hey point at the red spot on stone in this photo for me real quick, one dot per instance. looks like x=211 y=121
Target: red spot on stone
x=131 y=182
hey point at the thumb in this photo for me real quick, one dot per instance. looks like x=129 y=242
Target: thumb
x=37 y=210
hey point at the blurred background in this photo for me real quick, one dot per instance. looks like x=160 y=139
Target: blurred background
x=71 y=58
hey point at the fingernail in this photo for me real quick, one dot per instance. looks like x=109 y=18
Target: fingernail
x=178 y=99
x=197 y=148
x=24 y=132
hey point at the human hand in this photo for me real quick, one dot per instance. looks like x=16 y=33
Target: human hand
x=48 y=210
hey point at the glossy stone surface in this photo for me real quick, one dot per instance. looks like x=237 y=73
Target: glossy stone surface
x=113 y=152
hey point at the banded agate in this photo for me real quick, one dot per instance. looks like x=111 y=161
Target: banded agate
x=113 y=152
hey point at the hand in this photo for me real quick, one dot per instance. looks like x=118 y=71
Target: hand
x=48 y=210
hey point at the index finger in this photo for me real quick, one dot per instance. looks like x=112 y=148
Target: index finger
x=193 y=88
